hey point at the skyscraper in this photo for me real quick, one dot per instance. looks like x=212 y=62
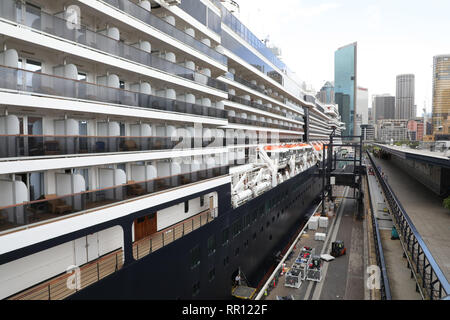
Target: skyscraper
x=345 y=85
x=441 y=96
x=404 y=97
x=383 y=106
x=362 y=104
x=326 y=93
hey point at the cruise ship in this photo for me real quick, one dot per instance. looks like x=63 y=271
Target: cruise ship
x=148 y=150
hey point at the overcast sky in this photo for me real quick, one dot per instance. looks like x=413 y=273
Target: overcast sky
x=394 y=37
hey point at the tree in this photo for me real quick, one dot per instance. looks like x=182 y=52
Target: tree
x=446 y=203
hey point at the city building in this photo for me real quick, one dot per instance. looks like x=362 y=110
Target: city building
x=392 y=130
x=415 y=130
x=441 y=97
x=326 y=93
x=362 y=107
x=404 y=97
x=383 y=107
x=345 y=85
x=368 y=132
x=141 y=143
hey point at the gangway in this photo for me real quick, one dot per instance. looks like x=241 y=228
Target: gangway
x=243 y=290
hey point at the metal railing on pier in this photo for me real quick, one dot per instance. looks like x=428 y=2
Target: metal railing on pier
x=385 y=289
x=431 y=281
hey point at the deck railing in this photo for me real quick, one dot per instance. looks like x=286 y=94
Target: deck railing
x=20 y=145
x=57 y=288
x=80 y=34
x=41 y=83
x=156 y=22
x=430 y=279
x=385 y=288
x=52 y=206
x=156 y=241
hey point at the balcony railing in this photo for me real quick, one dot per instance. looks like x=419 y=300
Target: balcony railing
x=143 y=247
x=52 y=206
x=261 y=124
x=92 y=272
x=249 y=84
x=48 y=145
x=36 y=82
x=57 y=289
x=254 y=105
x=149 y=18
x=82 y=35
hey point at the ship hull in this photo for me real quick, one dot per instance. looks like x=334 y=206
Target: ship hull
x=169 y=274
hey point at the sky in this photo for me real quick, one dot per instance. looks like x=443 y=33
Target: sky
x=394 y=37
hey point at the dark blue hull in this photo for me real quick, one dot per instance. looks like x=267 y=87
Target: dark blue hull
x=265 y=225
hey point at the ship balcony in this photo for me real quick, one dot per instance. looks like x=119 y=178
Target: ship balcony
x=35 y=82
x=95 y=270
x=264 y=124
x=280 y=115
x=54 y=145
x=261 y=93
x=17 y=212
x=81 y=35
x=147 y=17
x=254 y=105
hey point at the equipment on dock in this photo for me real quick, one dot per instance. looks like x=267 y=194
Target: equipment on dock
x=297 y=272
x=292 y=278
x=314 y=271
x=337 y=248
x=319 y=236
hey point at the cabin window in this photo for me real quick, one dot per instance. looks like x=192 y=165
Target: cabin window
x=211 y=245
x=195 y=256
x=212 y=274
x=186 y=206
x=196 y=289
x=237 y=226
x=225 y=236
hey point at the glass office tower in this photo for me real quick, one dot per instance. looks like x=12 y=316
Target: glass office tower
x=441 y=97
x=345 y=85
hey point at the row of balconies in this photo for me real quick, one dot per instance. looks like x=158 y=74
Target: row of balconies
x=36 y=82
x=261 y=88
x=109 y=41
x=58 y=193
x=265 y=124
x=268 y=107
x=168 y=26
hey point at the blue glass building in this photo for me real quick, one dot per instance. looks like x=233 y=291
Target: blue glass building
x=345 y=85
